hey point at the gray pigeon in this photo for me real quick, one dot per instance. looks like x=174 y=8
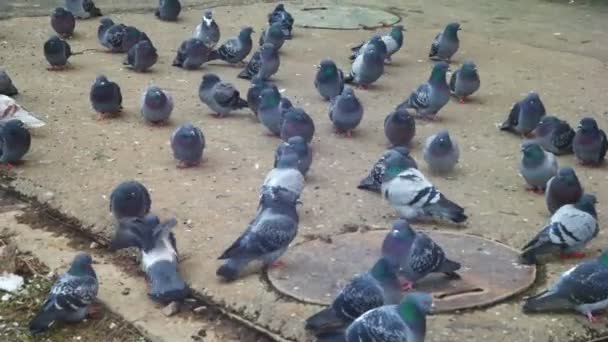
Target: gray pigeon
x=590 y=143
x=63 y=22
x=236 y=49
x=329 y=80
x=537 y=166
x=267 y=236
x=400 y=127
x=281 y=16
x=105 y=97
x=70 y=297
x=415 y=255
x=266 y=66
x=569 y=230
x=254 y=91
x=15 y=141
x=392 y=41
x=430 y=97
x=269 y=111
x=253 y=66
x=554 y=135
x=6 y=84
x=296 y=122
x=301 y=148
x=219 y=96
x=110 y=34
x=446 y=43
x=207 y=30
x=525 y=115
x=132 y=36
x=57 y=52
x=168 y=10
x=130 y=199
x=564 y=188
x=583 y=288
x=409 y=192
x=374 y=42
x=346 y=112
x=273 y=35
x=441 y=152
x=465 y=81
x=82 y=9
x=192 y=53
x=398 y=155
x=156 y=105
x=188 y=143
x=286 y=174
x=377 y=287
x=367 y=68
x=142 y=56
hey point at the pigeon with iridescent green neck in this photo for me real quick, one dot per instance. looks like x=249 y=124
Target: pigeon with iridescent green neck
x=446 y=43
x=537 y=166
x=254 y=91
x=465 y=81
x=398 y=155
x=346 y=112
x=274 y=35
x=441 y=152
x=329 y=80
x=207 y=30
x=564 y=188
x=236 y=49
x=525 y=115
x=554 y=135
x=63 y=22
x=430 y=97
x=590 y=143
x=269 y=111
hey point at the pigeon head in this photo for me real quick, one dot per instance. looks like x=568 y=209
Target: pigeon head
x=298 y=144
x=372 y=54
x=275 y=30
x=209 y=80
x=403 y=230
x=269 y=98
x=533 y=104
x=533 y=154
x=377 y=42
x=442 y=143
x=451 y=30
x=267 y=50
x=82 y=265
x=155 y=97
x=280 y=7
x=101 y=80
x=208 y=15
x=546 y=125
x=285 y=103
x=468 y=69
x=383 y=270
x=186 y=135
x=403 y=116
x=296 y=115
x=145 y=45
x=288 y=159
x=328 y=69
x=59 y=12
x=414 y=306
x=567 y=176
x=348 y=92
x=245 y=33
x=588 y=125
x=438 y=72
x=106 y=22
x=587 y=204
x=54 y=45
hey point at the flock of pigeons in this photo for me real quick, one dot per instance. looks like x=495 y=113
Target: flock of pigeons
x=372 y=306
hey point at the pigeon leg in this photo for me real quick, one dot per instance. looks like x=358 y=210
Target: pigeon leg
x=184 y=164
x=277 y=263
x=348 y=134
x=462 y=100
x=407 y=285
x=591 y=318
x=363 y=86
x=8 y=166
x=528 y=135
x=573 y=255
x=388 y=60
x=94 y=311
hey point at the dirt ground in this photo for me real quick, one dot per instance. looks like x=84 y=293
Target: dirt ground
x=75 y=160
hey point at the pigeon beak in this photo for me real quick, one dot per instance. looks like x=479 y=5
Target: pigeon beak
x=459 y=29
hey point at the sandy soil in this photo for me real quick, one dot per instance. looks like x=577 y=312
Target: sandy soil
x=75 y=161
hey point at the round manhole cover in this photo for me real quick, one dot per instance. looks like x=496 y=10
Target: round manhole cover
x=315 y=270
x=343 y=17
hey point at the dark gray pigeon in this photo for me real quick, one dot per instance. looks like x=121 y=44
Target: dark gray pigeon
x=142 y=56
x=70 y=296
x=554 y=135
x=297 y=122
x=446 y=43
x=569 y=230
x=590 y=143
x=132 y=36
x=253 y=66
x=301 y=148
x=286 y=174
x=57 y=52
x=254 y=91
x=267 y=236
x=118 y=38
x=168 y=10
x=269 y=111
x=329 y=80
x=105 y=97
x=188 y=143
x=564 y=188
x=346 y=112
x=15 y=141
x=441 y=152
x=63 y=22
x=192 y=53
x=156 y=105
x=236 y=49
x=221 y=97
x=263 y=64
x=130 y=199
x=465 y=81
x=430 y=97
x=273 y=34
x=525 y=115
x=398 y=155
x=400 y=127
x=367 y=68
x=82 y=9
x=6 y=84
x=281 y=16
x=207 y=30
x=537 y=166
x=375 y=42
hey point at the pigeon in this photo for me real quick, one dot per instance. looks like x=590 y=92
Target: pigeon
x=525 y=115
x=267 y=236
x=375 y=42
x=219 y=96
x=537 y=166
x=583 y=288
x=188 y=143
x=346 y=112
x=564 y=188
x=110 y=34
x=377 y=287
x=142 y=56
x=254 y=91
x=168 y=10
x=397 y=155
x=253 y=66
x=106 y=97
x=273 y=35
x=281 y=16
x=441 y=152
x=6 y=84
x=301 y=148
x=10 y=110
x=409 y=192
x=207 y=30
x=446 y=43
x=393 y=42
x=464 y=81
x=269 y=111
x=400 y=127
x=57 y=52
x=131 y=37
x=70 y=297
x=156 y=105
x=63 y=22
x=404 y=322
x=286 y=174
x=192 y=53
x=554 y=135
x=82 y=9
x=367 y=68
x=268 y=64
x=430 y=97
x=15 y=141
x=590 y=143
x=130 y=199
x=329 y=80
x=569 y=230
x=296 y=122
x=236 y=49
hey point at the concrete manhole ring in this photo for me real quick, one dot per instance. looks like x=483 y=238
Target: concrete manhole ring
x=342 y=17
x=315 y=271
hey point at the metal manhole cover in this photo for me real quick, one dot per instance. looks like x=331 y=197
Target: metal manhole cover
x=343 y=17
x=315 y=271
